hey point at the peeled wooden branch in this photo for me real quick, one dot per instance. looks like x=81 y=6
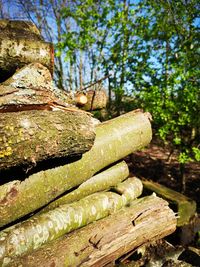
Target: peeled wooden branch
x=29 y=137
x=46 y=227
x=20 y=44
x=100 y=182
x=98 y=244
x=115 y=139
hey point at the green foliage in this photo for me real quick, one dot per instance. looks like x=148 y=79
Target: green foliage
x=196 y=152
x=151 y=49
x=172 y=92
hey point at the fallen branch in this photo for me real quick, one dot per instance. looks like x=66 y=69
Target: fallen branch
x=98 y=244
x=100 y=182
x=185 y=206
x=40 y=229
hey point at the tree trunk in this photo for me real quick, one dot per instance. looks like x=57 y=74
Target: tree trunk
x=40 y=229
x=20 y=44
x=98 y=244
x=29 y=137
x=115 y=139
x=100 y=182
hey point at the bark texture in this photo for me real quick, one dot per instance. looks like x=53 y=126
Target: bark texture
x=104 y=241
x=40 y=229
x=99 y=182
x=96 y=99
x=29 y=137
x=21 y=44
x=186 y=207
x=31 y=88
x=115 y=139
x=18 y=28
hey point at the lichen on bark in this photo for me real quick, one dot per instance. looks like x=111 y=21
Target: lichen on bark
x=114 y=140
x=45 y=227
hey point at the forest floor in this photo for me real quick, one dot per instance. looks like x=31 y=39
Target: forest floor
x=152 y=163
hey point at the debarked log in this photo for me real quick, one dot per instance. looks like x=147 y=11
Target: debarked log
x=114 y=140
x=29 y=137
x=99 y=182
x=98 y=244
x=45 y=227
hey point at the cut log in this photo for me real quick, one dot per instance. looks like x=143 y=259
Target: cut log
x=80 y=99
x=98 y=244
x=100 y=182
x=20 y=47
x=46 y=227
x=115 y=139
x=29 y=137
x=185 y=206
x=96 y=99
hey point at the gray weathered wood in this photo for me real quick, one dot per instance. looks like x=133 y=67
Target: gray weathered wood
x=98 y=244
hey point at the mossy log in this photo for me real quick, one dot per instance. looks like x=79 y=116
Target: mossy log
x=114 y=140
x=185 y=206
x=40 y=229
x=29 y=137
x=21 y=44
x=99 y=182
x=98 y=244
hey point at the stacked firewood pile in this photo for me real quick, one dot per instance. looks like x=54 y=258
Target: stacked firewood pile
x=76 y=205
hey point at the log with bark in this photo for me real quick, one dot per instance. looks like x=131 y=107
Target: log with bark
x=21 y=44
x=98 y=244
x=92 y=99
x=99 y=182
x=45 y=227
x=31 y=136
x=28 y=137
x=185 y=206
x=31 y=88
x=115 y=139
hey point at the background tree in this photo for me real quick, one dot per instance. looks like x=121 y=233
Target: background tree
x=172 y=93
